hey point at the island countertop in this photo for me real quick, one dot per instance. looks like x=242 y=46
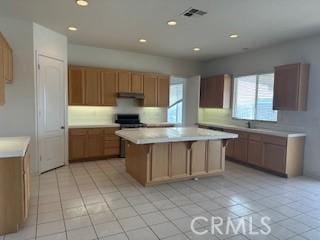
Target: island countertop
x=175 y=134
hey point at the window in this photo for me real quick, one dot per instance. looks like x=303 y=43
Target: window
x=175 y=111
x=253 y=98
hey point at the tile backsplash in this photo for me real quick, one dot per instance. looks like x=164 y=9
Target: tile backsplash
x=101 y=115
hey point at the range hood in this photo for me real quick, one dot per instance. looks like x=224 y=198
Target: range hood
x=130 y=95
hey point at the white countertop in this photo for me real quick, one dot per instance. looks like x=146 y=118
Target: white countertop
x=13 y=146
x=93 y=125
x=253 y=130
x=175 y=134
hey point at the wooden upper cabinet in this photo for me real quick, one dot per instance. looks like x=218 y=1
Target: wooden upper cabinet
x=124 y=81
x=108 y=86
x=7 y=60
x=150 y=90
x=291 y=87
x=215 y=92
x=137 y=82
x=76 y=86
x=92 y=86
x=163 y=91
x=2 y=89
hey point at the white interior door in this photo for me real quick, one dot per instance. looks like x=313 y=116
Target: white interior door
x=51 y=113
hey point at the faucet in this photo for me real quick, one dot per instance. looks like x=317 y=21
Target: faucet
x=249 y=124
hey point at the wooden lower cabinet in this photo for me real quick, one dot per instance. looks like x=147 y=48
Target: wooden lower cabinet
x=255 y=153
x=14 y=192
x=86 y=144
x=166 y=162
x=95 y=143
x=281 y=155
x=275 y=157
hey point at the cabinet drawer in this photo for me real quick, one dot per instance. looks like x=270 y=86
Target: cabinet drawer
x=95 y=131
x=77 y=131
x=110 y=130
x=111 y=138
x=275 y=140
x=255 y=137
x=111 y=144
x=112 y=151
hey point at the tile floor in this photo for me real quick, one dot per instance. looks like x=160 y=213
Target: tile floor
x=98 y=200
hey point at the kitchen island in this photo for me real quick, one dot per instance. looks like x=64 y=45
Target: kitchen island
x=161 y=155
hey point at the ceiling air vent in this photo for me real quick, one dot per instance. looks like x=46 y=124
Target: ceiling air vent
x=193 y=12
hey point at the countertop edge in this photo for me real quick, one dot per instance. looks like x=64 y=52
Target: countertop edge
x=178 y=139
x=254 y=130
x=17 y=153
x=108 y=125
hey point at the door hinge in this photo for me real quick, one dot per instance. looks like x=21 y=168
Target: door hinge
x=38 y=66
x=40 y=158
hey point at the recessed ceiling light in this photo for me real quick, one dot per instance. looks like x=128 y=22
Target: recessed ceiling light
x=172 y=23
x=142 y=40
x=233 y=36
x=72 y=28
x=196 y=49
x=82 y=3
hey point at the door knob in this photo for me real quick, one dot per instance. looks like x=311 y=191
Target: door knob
x=62 y=127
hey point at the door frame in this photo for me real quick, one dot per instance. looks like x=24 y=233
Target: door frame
x=36 y=84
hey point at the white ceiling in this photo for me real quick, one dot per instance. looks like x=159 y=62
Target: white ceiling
x=118 y=24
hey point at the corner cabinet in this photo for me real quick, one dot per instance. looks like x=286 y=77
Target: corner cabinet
x=215 y=91
x=291 y=87
x=14 y=192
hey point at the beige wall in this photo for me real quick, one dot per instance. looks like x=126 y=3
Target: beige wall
x=262 y=61
x=17 y=115
x=91 y=56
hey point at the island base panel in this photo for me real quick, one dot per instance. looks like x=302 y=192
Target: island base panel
x=158 y=163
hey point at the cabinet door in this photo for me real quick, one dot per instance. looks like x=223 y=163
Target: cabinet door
x=160 y=162
x=229 y=148
x=150 y=90
x=255 y=153
x=10 y=60
x=215 y=156
x=198 y=158
x=95 y=143
x=2 y=89
x=180 y=166
x=124 y=81
x=76 y=86
x=214 y=89
x=137 y=82
x=163 y=91
x=26 y=184
x=92 y=86
x=240 y=151
x=77 y=144
x=275 y=157
x=109 y=88
x=203 y=93
x=286 y=87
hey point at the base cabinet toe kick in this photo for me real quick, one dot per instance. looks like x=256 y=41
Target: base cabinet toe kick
x=157 y=163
